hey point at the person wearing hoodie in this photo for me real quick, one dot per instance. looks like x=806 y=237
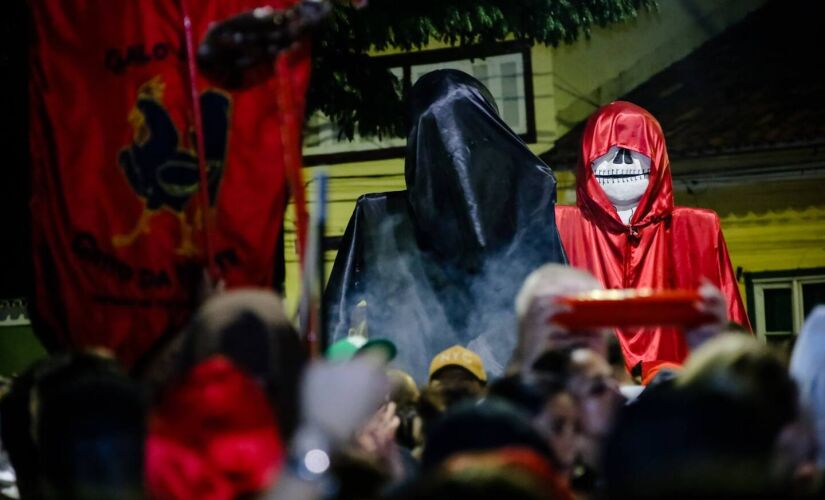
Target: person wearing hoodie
x=440 y=263
x=808 y=372
x=627 y=232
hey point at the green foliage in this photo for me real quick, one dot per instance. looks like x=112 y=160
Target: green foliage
x=361 y=95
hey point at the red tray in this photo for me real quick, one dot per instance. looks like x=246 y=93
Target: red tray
x=624 y=308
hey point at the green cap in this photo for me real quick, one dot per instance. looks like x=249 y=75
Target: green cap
x=353 y=345
x=381 y=347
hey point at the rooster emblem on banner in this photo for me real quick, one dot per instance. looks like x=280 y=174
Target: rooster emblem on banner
x=162 y=171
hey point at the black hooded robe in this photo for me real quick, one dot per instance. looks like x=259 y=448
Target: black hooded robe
x=441 y=263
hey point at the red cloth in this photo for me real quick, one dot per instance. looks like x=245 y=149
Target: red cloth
x=175 y=472
x=111 y=135
x=664 y=247
x=651 y=369
x=213 y=435
x=515 y=462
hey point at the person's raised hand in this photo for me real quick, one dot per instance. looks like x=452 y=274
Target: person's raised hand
x=713 y=304
x=337 y=399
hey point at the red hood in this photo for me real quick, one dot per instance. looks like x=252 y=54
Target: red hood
x=625 y=125
x=220 y=413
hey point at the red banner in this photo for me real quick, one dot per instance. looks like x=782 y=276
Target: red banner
x=120 y=228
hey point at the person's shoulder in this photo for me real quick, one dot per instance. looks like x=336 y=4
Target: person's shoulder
x=380 y=197
x=568 y=216
x=381 y=201
x=695 y=216
x=567 y=210
x=390 y=207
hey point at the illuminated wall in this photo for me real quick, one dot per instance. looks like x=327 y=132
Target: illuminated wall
x=569 y=82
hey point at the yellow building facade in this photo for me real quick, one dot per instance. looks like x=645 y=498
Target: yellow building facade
x=769 y=224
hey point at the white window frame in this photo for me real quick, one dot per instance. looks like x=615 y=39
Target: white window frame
x=13 y=313
x=325 y=147
x=795 y=284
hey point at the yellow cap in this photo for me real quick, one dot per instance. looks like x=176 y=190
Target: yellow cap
x=459 y=356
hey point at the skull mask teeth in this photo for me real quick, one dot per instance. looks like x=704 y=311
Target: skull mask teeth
x=624 y=175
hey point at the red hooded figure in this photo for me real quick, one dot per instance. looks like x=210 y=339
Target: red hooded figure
x=641 y=241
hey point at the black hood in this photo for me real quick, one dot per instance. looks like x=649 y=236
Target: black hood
x=440 y=264
x=472 y=183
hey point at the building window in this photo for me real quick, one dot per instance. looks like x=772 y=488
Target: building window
x=505 y=70
x=779 y=301
x=13 y=312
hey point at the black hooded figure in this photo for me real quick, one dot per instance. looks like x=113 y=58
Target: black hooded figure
x=440 y=263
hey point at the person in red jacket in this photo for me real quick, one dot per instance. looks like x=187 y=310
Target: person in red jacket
x=625 y=230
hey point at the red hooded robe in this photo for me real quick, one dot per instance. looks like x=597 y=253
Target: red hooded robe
x=663 y=247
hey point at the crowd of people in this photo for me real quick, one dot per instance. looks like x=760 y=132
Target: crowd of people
x=450 y=375
x=234 y=407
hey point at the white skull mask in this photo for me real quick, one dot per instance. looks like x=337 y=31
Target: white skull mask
x=623 y=175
